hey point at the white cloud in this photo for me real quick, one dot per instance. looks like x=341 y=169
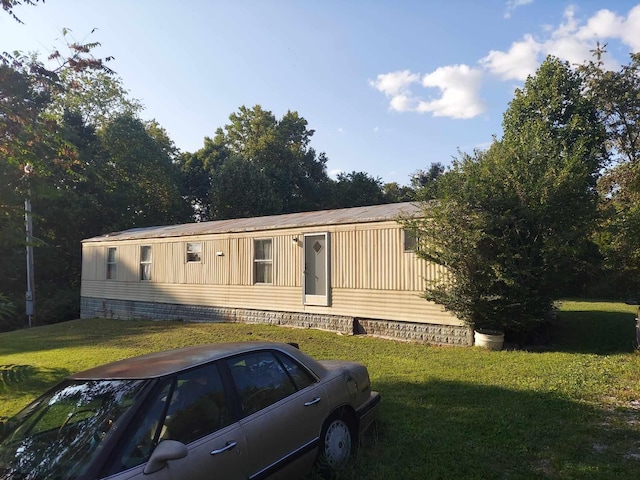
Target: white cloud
x=395 y=83
x=606 y=24
x=459 y=86
x=520 y=61
x=513 y=4
x=569 y=41
x=572 y=40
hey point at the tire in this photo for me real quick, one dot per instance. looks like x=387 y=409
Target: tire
x=336 y=444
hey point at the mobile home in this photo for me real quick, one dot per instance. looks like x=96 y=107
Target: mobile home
x=350 y=270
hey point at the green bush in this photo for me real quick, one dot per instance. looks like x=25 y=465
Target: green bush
x=8 y=319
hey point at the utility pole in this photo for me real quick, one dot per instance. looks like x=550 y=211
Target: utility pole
x=30 y=296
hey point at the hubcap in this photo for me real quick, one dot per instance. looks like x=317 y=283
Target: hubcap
x=337 y=444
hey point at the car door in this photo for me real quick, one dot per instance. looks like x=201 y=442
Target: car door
x=192 y=409
x=283 y=407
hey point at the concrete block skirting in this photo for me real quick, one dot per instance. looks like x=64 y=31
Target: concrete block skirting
x=128 y=309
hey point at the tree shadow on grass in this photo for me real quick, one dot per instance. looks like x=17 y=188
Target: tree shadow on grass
x=454 y=430
x=82 y=333
x=25 y=381
x=598 y=332
x=27 y=377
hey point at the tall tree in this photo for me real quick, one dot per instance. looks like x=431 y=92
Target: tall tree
x=426 y=181
x=512 y=224
x=395 y=193
x=95 y=95
x=141 y=180
x=278 y=150
x=32 y=141
x=617 y=95
x=357 y=189
x=198 y=169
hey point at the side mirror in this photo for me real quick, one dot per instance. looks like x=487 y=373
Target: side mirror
x=165 y=451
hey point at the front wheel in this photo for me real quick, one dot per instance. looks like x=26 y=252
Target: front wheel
x=336 y=446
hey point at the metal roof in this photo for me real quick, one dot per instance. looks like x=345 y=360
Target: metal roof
x=374 y=213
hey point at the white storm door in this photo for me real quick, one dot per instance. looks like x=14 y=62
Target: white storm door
x=317 y=285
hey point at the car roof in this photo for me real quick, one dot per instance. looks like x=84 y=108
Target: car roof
x=163 y=363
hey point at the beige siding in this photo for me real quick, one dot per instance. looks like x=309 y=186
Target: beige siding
x=375 y=304
x=371 y=275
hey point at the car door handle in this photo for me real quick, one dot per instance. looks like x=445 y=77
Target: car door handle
x=312 y=402
x=228 y=446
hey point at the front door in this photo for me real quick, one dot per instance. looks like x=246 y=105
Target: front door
x=316 y=269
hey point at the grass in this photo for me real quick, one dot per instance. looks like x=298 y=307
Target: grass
x=570 y=411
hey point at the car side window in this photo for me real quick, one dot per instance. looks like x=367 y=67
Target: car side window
x=260 y=380
x=198 y=406
x=300 y=375
x=145 y=434
x=185 y=408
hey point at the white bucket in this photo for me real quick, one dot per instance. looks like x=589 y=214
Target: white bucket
x=488 y=339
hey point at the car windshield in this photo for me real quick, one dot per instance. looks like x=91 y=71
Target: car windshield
x=57 y=436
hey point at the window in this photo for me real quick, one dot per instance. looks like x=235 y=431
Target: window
x=263 y=261
x=112 y=265
x=198 y=406
x=260 y=379
x=299 y=375
x=146 y=432
x=145 y=262
x=65 y=431
x=185 y=408
x=194 y=252
x=410 y=240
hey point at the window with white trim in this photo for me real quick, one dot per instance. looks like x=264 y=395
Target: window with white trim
x=112 y=263
x=410 y=240
x=263 y=260
x=145 y=262
x=194 y=252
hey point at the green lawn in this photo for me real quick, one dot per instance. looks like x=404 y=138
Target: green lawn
x=571 y=410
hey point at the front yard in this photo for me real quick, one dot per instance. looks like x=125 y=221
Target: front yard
x=571 y=410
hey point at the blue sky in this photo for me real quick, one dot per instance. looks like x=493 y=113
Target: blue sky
x=388 y=86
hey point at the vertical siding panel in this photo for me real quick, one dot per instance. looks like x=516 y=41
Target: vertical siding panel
x=101 y=267
x=373 y=264
x=351 y=252
x=159 y=256
x=234 y=257
x=362 y=251
x=223 y=266
x=128 y=263
x=389 y=259
x=211 y=264
x=338 y=270
x=280 y=275
x=245 y=261
x=285 y=261
x=346 y=259
x=337 y=267
x=365 y=245
x=214 y=269
x=90 y=262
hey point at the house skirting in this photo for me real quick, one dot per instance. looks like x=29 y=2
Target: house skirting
x=91 y=307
